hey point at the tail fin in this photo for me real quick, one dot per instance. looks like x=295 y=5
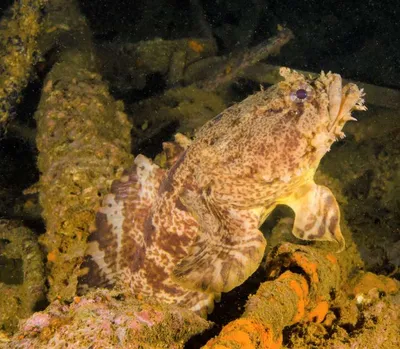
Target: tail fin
x=120 y=225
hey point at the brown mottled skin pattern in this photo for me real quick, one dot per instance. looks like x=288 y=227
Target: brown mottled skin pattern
x=185 y=235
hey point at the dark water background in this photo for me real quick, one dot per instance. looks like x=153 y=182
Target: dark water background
x=358 y=39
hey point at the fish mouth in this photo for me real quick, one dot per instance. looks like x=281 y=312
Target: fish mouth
x=342 y=101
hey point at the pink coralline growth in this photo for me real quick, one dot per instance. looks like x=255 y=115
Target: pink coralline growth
x=107 y=319
x=36 y=323
x=150 y=318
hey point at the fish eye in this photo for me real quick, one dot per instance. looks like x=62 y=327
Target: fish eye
x=301 y=94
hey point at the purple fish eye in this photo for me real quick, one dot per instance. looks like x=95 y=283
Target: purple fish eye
x=301 y=93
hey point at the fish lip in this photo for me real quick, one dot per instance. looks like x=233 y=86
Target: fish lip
x=342 y=101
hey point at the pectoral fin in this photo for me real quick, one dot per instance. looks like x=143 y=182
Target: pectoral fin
x=220 y=266
x=317 y=214
x=227 y=250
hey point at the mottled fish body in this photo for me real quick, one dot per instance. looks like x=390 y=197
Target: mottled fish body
x=186 y=234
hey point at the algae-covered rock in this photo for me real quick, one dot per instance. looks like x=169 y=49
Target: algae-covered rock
x=104 y=319
x=21 y=274
x=19 y=51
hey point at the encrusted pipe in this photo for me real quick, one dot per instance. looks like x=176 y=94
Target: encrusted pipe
x=83 y=137
x=306 y=278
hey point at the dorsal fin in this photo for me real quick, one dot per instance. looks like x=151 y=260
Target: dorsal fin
x=121 y=220
x=173 y=150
